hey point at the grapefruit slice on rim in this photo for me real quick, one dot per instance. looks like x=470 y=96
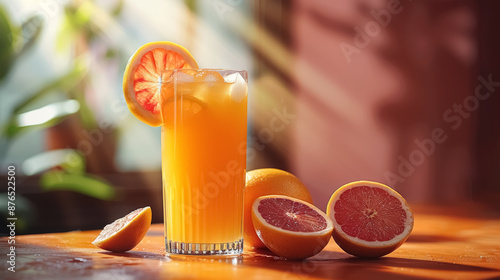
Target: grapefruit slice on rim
x=146 y=75
x=370 y=219
x=125 y=233
x=290 y=227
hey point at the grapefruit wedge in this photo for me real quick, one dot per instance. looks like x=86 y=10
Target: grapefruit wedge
x=289 y=227
x=370 y=219
x=125 y=233
x=147 y=76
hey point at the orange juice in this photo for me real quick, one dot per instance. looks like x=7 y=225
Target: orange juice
x=204 y=161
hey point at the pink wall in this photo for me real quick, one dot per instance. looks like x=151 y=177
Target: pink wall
x=368 y=103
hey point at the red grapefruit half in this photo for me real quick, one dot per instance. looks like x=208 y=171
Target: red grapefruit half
x=370 y=219
x=290 y=227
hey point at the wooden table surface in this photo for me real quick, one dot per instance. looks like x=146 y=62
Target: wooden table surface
x=442 y=246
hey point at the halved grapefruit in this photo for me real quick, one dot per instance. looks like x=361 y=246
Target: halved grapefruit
x=147 y=74
x=370 y=219
x=268 y=181
x=125 y=233
x=290 y=227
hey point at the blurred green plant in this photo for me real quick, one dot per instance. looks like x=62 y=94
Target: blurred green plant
x=67 y=172
x=78 y=30
x=16 y=40
x=25 y=213
x=64 y=83
x=71 y=176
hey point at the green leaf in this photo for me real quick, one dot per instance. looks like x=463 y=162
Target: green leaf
x=32 y=28
x=118 y=8
x=43 y=117
x=82 y=15
x=25 y=213
x=84 y=184
x=192 y=5
x=69 y=160
x=74 y=163
x=63 y=83
x=8 y=42
x=12 y=128
x=86 y=114
x=66 y=34
x=111 y=52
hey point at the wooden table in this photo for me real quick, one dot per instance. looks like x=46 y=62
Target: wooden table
x=442 y=246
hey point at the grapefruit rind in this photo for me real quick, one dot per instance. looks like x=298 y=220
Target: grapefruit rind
x=286 y=243
x=137 y=109
x=362 y=248
x=129 y=235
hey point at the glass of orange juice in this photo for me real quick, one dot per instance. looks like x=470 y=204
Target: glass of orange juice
x=204 y=124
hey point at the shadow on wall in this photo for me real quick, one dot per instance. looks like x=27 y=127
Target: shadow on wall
x=389 y=92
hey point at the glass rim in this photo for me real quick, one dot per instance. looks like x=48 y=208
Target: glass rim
x=206 y=69
x=173 y=73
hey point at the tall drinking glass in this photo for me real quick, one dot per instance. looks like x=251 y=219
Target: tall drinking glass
x=204 y=126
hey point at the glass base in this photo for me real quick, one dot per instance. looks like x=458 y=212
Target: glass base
x=204 y=249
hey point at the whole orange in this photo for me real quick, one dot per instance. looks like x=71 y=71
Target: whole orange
x=268 y=181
